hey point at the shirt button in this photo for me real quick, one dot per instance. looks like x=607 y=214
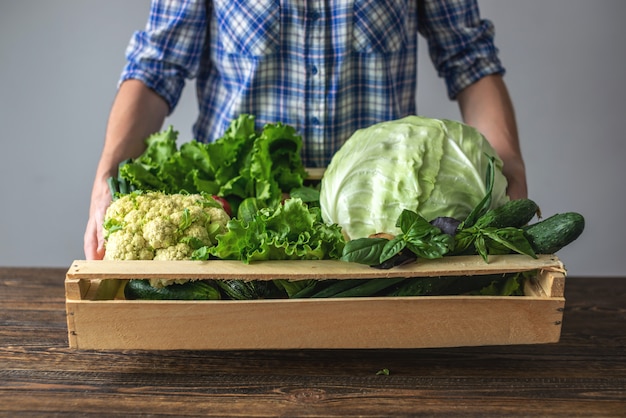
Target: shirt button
x=314 y=70
x=315 y=120
x=314 y=15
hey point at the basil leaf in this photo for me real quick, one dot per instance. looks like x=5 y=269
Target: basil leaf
x=413 y=225
x=463 y=240
x=481 y=247
x=364 y=250
x=512 y=238
x=392 y=248
x=406 y=220
x=434 y=247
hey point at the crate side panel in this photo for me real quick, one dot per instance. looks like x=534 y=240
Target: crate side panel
x=316 y=324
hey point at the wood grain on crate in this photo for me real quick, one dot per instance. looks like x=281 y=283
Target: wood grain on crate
x=314 y=324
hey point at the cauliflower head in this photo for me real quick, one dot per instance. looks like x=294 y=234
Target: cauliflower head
x=160 y=226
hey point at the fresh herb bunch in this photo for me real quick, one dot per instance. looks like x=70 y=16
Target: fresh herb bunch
x=418 y=237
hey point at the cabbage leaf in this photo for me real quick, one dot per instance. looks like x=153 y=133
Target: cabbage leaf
x=435 y=167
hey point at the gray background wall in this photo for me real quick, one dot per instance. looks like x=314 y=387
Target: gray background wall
x=60 y=60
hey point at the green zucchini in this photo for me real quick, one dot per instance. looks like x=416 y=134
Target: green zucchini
x=551 y=234
x=514 y=213
x=192 y=290
x=247 y=289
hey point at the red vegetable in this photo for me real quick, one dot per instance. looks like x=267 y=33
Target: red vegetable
x=224 y=203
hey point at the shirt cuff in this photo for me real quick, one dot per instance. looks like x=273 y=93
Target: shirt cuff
x=480 y=68
x=169 y=88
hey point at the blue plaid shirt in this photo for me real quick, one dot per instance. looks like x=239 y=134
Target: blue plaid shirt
x=326 y=68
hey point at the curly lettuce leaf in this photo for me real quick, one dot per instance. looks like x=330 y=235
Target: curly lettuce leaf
x=292 y=231
x=245 y=162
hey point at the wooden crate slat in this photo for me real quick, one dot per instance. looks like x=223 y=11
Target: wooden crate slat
x=306 y=269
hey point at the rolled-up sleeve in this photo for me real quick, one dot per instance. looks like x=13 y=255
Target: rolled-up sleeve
x=168 y=51
x=460 y=43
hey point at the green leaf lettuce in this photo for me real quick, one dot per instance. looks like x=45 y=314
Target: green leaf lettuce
x=292 y=231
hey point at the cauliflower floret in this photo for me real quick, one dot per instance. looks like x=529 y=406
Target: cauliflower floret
x=160 y=209
x=127 y=245
x=218 y=216
x=154 y=225
x=134 y=220
x=120 y=207
x=180 y=251
x=198 y=232
x=160 y=233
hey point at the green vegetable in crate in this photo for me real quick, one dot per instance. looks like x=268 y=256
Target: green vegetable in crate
x=417 y=238
x=422 y=286
x=370 y=288
x=245 y=162
x=247 y=289
x=551 y=234
x=498 y=231
x=505 y=229
x=292 y=231
x=433 y=167
x=515 y=213
x=190 y=290
x=510 y=284
x=159 y=226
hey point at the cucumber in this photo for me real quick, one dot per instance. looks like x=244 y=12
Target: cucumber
x=192 y=290
x=551 y=234
x=247 y=290
x=514 y=213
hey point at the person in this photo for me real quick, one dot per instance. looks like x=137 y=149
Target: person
x=328 y=69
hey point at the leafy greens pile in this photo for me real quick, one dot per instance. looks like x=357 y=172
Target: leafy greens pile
x=244 y=163
x=253 y=171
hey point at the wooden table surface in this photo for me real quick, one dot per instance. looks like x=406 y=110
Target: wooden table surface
x=582 y=375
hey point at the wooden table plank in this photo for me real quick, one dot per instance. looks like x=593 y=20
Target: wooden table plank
x=583 y=375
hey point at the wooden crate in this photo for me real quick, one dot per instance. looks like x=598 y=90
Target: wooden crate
x=99 y=317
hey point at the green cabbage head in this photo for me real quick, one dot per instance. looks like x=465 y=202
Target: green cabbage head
x=435 y=167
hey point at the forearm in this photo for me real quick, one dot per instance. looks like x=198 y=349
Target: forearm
x=486 y=105
x=136 y=113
